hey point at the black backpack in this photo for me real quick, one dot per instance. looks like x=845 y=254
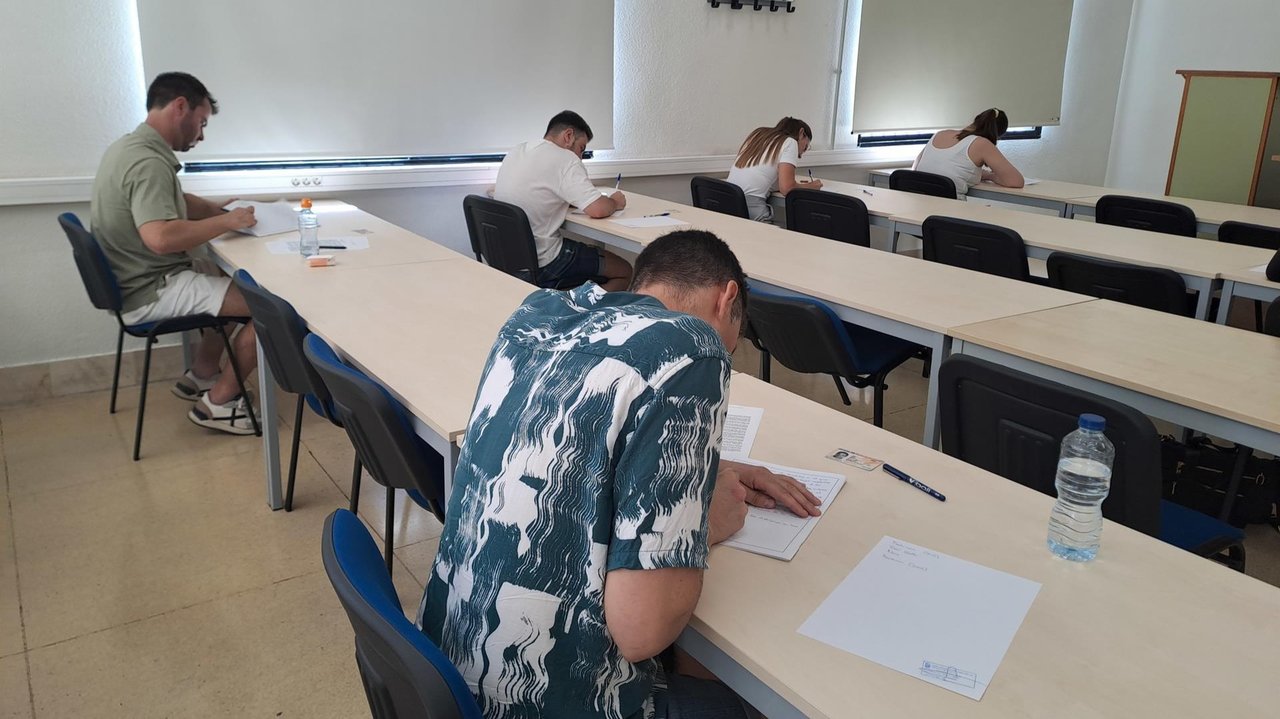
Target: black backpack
x=1197 y=475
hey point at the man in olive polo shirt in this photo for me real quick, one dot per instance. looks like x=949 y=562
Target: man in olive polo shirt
x=146 y=226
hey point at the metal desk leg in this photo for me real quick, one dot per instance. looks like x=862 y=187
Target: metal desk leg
x=1206 y=288
x=941 y=347
x=448 y=450
x=270 y=430
x=188 y=355
x=733 y=674
x=1224 y=302
x=893 y=237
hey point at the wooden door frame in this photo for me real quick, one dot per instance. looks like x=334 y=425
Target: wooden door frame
x=1182 y=109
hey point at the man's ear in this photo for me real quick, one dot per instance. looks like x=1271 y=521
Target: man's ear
x=727 y=299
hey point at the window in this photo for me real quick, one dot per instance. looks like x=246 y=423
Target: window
x=892 y=139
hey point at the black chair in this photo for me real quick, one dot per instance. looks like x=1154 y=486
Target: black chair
x=1272 y=325
x=1273 y=268
x=829 y=214
x=1140 y=213
x=501 y=236
x=403 y=672
x=719 y=196
x=280 y=333
x=1011 y=423
x=104 y=292
x=1155 y=288
x=380 y=430
x=1260 y=236
x=806 y=336
x=976 y=246
x=923 y=183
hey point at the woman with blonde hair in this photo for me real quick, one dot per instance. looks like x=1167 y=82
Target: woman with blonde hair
x=969 y=156
x=767 y=161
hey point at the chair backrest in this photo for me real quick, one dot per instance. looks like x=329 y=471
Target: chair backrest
x=1012 y=424
x=1272 y=325
x=96 y=273
x=1155 y=288
x=923 y=183
x=803 y=334
x=280 y=332
x=719 y=196
x=829 y=214
x=1273 y=268
x=379 y=428
x=1140 y=213
x=1244 y=233
x=404 y=673
x=501 y=236
x=975 y=246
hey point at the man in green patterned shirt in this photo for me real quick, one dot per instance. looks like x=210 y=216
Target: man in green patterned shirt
x=589 y=489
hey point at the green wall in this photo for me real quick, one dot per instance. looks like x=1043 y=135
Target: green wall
x=1218 y=143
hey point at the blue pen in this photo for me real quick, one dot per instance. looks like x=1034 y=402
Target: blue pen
x=618 y=184
x=903 y=476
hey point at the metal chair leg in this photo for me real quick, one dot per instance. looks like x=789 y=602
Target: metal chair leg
x=355 y=486
x=765 y=365
x=142 y=397
x=844 y=396
x=293 y=456
x=115 y=377
x=391 y=515
x=235 y=367
x=877 y=413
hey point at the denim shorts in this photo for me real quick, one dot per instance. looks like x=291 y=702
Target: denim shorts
x=577 y=263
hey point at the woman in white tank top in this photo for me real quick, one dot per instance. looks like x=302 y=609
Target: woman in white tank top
x=962 y=155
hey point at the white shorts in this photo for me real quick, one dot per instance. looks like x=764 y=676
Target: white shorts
x=184 y=293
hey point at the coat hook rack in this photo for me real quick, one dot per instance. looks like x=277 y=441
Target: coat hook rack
x=757 y=5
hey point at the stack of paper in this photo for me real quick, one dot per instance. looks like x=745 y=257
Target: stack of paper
x=777 y=532
x=273 y=217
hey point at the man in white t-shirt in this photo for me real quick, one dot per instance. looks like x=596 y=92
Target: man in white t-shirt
x=544 y=178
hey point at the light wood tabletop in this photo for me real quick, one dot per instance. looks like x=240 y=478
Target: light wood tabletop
x=1252 y=276
x=1054 y=190
x=1187 y=256
x=923 y=294
x=424 y=329
x=1144 y=630
x=1207 y=212
x=1223 y=371
x=388 y=245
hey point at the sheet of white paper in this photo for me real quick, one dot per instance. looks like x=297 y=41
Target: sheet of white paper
x=1028 y=181
x=638 y=222
x=273 y=217
x=778 y=533
x=740 y=427
x=926 y=614
x=1259 y=268
x=327 y=244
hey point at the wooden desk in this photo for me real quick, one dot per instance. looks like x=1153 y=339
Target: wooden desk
x=1047 y=194
x=1250 y=283
x=388 y=246
x=902 y=296
x=1199 y=262
x=1144 y=630
x=1220 y=380
x=1209 y=214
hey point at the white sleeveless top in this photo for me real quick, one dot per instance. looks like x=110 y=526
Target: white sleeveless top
x=952 y=162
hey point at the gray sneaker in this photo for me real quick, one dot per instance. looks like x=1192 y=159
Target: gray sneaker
x=232 y=417
x=191 y=388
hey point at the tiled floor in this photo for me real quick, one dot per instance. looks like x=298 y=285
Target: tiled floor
x=166 y=588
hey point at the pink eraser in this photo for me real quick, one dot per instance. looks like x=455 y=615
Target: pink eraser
x=319 y=260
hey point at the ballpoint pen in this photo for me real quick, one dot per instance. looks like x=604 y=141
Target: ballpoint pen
x=618 y=184
x=332 y=247
x=903 y=476
x=867 y=192
x=659 y=214
x=810 y=175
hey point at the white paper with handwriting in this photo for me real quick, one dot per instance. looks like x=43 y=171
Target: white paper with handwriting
x=926 y=614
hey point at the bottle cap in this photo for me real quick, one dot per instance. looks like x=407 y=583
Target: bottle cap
x=1092 y=422
x=306 y=203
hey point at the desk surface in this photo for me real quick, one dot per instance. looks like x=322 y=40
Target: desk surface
x=923 y=294
x=423 y=329
x=1144 y=630
x=1221 y=370
x=1042 y=190
x=388 y=245
x=1251 y=276
x=1184 y=255
x=1207 y=211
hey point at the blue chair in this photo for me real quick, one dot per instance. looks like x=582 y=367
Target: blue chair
x=104 y=292
x=404 y=673
x=280 y=333
x=383 y=436
x=1011 y=423
x=806 y=336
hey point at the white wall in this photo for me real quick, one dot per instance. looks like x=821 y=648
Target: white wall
x=683 y=87
x=1171 y=35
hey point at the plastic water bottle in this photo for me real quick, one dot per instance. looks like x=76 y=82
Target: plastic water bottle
x=1083 y=480
x=308 y=230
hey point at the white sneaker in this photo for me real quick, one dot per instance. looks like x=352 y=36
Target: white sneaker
x=232 y=417
x=191 y=388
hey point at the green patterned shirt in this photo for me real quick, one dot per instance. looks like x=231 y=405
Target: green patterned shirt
x=592 y=446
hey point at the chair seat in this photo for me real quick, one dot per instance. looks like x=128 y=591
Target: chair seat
x=1194 y=531
x=179 y=324
x=876 y=350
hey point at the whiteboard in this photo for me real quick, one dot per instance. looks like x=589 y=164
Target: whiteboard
x=305 y=79
x=927 y=65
